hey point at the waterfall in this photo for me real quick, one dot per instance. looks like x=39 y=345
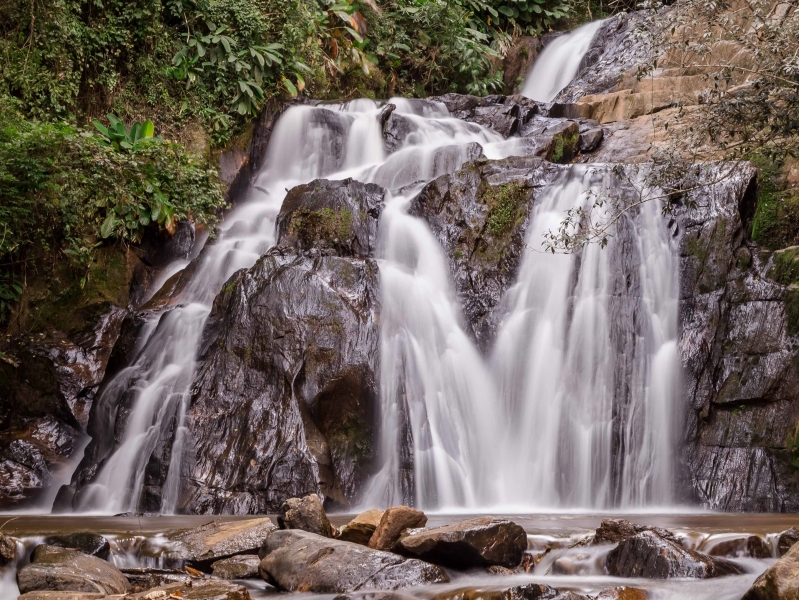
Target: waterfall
x=559 y=63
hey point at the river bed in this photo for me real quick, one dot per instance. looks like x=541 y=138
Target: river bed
x=577 y=569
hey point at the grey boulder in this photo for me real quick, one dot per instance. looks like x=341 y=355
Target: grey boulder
x=243 y=566
x=307 y=514
x=296 y=560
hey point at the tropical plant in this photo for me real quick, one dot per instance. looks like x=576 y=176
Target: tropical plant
x=122 y=138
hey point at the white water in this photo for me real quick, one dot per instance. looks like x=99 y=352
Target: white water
x=558 y=63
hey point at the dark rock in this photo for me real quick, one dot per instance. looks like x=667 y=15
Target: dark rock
x=332 y=214
x=54 y=568
x=591 y=139
x=529 y=591
x=159 y=248
x=88 y=543
x=779 y=581
x=306 y=514
x=479 y=542
x=143 y=579
x=204 y=545
x=243 y=566
x=296 y=560
x=752 y=546
x=361 y=528
x=196 y=589
x=283 y=341
x=613 y=531
x=504 y=114
x=394 y=521
x=646 y=554
x=786 y=540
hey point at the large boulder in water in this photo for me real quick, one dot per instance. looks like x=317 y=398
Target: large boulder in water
x=393 y=523
x=780 y=581
x=86 y=542
x=307 y=514
x=206 y=544
x=296 y=560
x=613 y=531
x=649 y=555
x=479 y=542
x=362 y=527
x=54 y=568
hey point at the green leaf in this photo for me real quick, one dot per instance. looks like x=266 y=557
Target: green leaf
x=148 y=129
x=290 y=87
x=354 y=34
x=108 y=226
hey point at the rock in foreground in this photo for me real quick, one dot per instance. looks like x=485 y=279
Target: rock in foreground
x=778 y=582
x=61 y=569
x=362 y=527
x=211 y=542
x=243 y=566
x=295 y=560
x=393 y=522
x=529 y=591
x=88 y=543
x=649 y=555
x=480 y=542
x=305 y=513
x=213 y=589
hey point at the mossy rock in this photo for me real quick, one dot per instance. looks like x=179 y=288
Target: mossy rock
x=785 y=269
x=326 y=224
x=565 y=144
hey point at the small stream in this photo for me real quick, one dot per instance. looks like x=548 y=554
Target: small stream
x=577 y=569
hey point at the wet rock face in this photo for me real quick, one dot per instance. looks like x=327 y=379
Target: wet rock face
x=296 y=560
x=306 y=514
x=45 y=399
x=209 y=543
x=393 y=523
x=480 y=542
x=341 y=215
x=779 y=581
x=54 y=568
x=518 y=62
x=739 y=356
x=646 y=554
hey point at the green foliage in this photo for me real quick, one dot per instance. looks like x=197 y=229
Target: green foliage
x=506 y=206
x=324 y=224
x=776 y=221
x=120 y=137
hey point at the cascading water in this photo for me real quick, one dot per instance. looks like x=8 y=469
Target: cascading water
x=559 y=63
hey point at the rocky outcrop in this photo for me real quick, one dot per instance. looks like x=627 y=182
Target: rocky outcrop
x=46 y=393
x=243 y=566
x=393 y=523
x=296 y=560
x=362 y=527
x=779 y=581
x=646 y=554
x=306 y=514
x=283 y=399
x=204 y=545
x=480 y=542
x=54 y=568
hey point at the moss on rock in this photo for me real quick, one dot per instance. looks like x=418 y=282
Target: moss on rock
x=324 y=224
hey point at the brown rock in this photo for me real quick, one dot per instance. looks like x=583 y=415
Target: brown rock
x=296 y=560
x=613 y=531
x=778 y=582
x=142 y=579
x=393 y=522
x=8 y=550
x=362 y=527
x=203 y=589
x=649 y=555
x=518 y=61
x=61 y=569
x=530 y=591
x=307 y=514
x=622 y=593
x=50 y=595
x=786 y=540
x=243 y=566
x=479 y=542
x=752 y=546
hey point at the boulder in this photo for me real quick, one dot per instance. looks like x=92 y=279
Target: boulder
x=529 y=591
x=48 y=595
x=590 y=139
x=197 y=589
x=786 y=540
x=142 y=579
x=88 y=543
x=750 y=546
x=307 y=514
x=8 y=550
x=613 y=531
x=780 y=581
x=480 y=542
x=243 y=566
x=393 y=522
x=374 y=595
x=649 y=555
x=622 y=593
x=296 y=560
x=61 y=569
x=208 y=543
x=362 y=527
